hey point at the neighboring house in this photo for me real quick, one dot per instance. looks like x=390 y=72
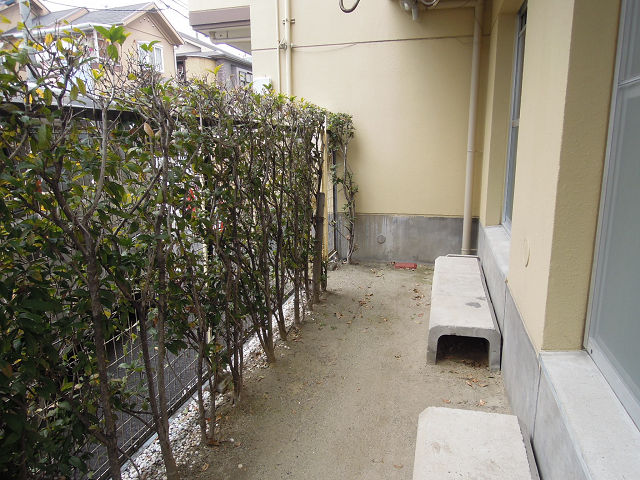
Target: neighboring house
x=555 y=183
x=198 y=58
x=10 y=9
x=144 y=22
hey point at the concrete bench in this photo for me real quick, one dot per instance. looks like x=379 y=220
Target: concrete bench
x=466 y=444
x=460 y=306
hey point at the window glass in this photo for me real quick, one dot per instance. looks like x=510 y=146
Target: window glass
x=510 y=175
x=614 y=332
x=630 y=67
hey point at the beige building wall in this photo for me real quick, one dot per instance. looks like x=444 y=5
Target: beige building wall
x=568 y=70
x=405 y=82
x=144 y=30
x=197 y=67
x=12 y=14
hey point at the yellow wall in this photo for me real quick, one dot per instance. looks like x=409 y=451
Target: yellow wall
x=197 y=67
x=143 y=30
x=406 y=84
x=568 y=68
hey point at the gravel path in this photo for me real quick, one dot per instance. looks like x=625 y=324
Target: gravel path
x=343 y=399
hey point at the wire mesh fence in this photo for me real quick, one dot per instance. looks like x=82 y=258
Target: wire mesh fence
x=135 y=428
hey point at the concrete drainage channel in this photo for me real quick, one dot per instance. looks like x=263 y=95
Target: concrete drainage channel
x=453 y=443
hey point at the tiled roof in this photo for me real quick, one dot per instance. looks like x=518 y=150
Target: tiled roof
x=52 y=18
x=113 y=16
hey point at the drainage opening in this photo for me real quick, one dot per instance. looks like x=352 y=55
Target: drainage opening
x=472 y=351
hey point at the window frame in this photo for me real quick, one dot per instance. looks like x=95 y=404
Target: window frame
x=598 y=351
x=514 y=124
x=144 y=56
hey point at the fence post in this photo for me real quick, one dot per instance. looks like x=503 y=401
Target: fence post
x=317 y=246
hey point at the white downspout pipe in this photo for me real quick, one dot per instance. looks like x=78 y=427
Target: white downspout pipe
x=278 y=76
x=471 y=132
x=288 y=46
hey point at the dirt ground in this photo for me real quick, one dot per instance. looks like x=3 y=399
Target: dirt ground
x=343 y=399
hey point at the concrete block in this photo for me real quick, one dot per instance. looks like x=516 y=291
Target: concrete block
x=459 y=306
x=520 y=367
x=493 y=250
x=552 y=443
x=467 y=444
x=605 y=438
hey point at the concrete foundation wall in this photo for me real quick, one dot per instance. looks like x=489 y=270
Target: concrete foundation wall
x=404 y=238
x=563 y=402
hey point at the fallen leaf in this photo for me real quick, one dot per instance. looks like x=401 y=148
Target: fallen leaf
x=349 y=322
x=469 y=383
x=446 y=401
x=483 y=384
x=398 y=466
x=204 y=467
x=482 y=403
x=421 y=314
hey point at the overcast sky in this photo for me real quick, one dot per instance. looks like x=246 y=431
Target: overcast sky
x=176 y=12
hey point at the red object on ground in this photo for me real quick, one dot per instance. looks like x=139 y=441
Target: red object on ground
x=408 y=266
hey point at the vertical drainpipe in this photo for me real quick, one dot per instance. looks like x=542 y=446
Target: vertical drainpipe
x=471 y=133
x=288 y=46
x=278 y=45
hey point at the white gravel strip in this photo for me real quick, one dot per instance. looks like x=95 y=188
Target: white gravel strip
x=184 y=432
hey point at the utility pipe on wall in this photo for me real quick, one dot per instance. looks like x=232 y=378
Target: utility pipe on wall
x=471 y=133
x=288 y=46
x=278 y=76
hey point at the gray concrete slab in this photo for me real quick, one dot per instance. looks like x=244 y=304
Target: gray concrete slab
x=467 y=444
x=459 y=306
x=405 y=238
x=553 y=446
x=603 y=434
x=493 y=250
x=520 y=366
